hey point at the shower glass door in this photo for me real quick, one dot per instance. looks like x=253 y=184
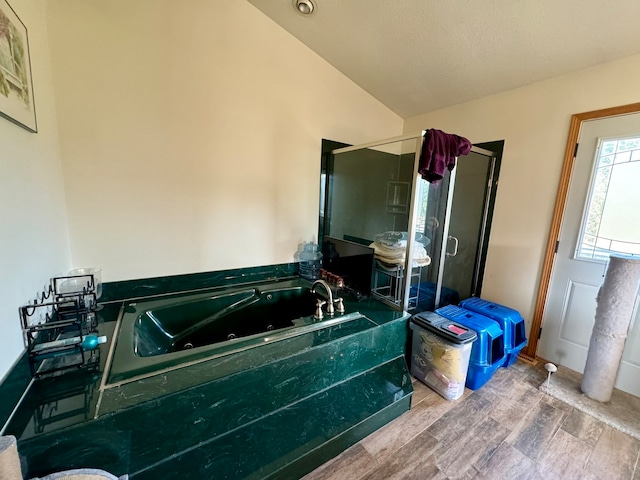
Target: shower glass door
x=465 y=232
x=432 y=213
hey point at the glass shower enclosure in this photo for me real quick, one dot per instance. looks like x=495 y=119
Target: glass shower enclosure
x=429 y=238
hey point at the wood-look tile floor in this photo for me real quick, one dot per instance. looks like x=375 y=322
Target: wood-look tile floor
x=508 y=429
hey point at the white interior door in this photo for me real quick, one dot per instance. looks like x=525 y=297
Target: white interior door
x=602 y=214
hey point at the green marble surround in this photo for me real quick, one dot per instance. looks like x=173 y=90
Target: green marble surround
x=277 y=410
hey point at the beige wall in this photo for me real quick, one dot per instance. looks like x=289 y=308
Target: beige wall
x=34 y=242
x=534 y=122
x=191 y=133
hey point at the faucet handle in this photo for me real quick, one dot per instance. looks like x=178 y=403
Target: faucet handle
x=318 y=315
x=339 y=305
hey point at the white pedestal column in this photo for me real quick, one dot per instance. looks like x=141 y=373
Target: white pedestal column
x=616 y=299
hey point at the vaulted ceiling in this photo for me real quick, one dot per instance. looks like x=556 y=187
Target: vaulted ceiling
x=417 y=56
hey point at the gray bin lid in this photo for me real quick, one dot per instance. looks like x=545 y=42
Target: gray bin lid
x=451 y=331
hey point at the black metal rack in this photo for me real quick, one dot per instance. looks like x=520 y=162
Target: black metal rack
x=57 y=322
x=387 y=284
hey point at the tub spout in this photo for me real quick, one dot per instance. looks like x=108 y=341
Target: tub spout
x=330 y=308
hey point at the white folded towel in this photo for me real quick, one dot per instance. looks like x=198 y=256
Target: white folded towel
x=397 y=255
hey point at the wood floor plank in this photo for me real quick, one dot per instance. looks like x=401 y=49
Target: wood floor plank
x=564 y=457
x=536 y=429
x=554 y=402
x=421 y=392
x=414 y=461
x=614 y=456
x=351 y=464
x=470 y=474
x=504 y=380
x=507 y=463
x=524 y=367
x=512 y=409
x=472 y=450
x=583 y=426
x=536 y=376
x=394 y=435
x=457 y=421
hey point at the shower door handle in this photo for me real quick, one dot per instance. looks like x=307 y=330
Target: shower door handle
x=455 y=246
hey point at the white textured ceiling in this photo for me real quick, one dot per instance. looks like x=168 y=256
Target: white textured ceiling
x=416 y=56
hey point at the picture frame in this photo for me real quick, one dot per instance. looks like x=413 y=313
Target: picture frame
x=17 y=102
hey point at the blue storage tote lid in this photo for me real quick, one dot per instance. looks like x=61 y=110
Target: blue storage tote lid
x=490 y=309
x=488 y=349
x=451 y=331
x=510 y=320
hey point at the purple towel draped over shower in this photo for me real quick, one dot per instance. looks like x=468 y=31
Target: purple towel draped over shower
x=439 y=152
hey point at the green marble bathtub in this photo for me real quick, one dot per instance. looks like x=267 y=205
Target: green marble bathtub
x=258 y=406
x=166 y=333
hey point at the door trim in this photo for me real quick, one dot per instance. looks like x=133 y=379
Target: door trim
x=529 y=353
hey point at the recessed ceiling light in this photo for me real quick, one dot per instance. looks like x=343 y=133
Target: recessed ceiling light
x=304 y=7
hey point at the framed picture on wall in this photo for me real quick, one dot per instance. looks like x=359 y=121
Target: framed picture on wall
x=16 y=87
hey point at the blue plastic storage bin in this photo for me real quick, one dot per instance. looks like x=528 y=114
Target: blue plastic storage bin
x=509 y=319
x=487 y=353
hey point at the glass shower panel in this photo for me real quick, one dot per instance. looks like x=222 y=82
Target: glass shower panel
x=369 y=194
x=466 y=234
x=432 y=209
x=370 y=191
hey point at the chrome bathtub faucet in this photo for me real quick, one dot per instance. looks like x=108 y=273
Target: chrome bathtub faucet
x=330 y=308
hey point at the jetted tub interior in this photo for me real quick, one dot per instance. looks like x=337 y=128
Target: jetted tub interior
x=169 y=332
x=218 y=318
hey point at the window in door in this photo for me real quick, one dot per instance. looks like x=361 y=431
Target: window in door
x=611 y=223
